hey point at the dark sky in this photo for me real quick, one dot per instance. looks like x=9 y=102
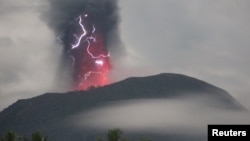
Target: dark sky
x=205 y=39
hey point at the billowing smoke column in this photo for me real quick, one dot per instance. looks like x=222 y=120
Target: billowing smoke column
x=88 y=30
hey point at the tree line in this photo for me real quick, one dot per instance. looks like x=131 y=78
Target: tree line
x=112 y=135
x=13 y=136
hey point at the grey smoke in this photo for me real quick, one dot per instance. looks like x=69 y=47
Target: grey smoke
x=105 y=15
x=104 y=12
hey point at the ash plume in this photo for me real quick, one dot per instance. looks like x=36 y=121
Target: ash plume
x=61 y=12
x=77 y=24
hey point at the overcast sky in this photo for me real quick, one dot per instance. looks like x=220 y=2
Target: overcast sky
x=206 y=39
x=28 y=52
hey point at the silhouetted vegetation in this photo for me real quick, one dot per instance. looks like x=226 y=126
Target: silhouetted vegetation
x=112 y=135
x=37 y=136
x=13 y=136
x=116 y=135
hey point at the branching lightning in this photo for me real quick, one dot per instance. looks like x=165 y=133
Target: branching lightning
x=88 y=32
x=92 y=66
x=82 y=35
x=96 y=57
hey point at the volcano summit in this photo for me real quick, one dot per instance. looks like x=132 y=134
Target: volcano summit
x=52 y=113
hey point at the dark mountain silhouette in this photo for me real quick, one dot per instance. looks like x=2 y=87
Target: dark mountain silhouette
x=47 y=113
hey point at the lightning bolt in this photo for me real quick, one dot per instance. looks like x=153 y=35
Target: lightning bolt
x=86 y=75
x=96 y=57
x=93 y=31
x=59 y=39
x=73 y=60
x=85 y=37
x=82 y=35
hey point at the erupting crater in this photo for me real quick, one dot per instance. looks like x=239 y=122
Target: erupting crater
x=90 y=58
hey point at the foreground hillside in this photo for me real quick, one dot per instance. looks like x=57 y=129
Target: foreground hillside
x=49 y=112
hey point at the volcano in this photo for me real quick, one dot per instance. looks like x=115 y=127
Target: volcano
x=49 y=113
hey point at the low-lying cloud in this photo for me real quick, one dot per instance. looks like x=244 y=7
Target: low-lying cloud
x=184 y=116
